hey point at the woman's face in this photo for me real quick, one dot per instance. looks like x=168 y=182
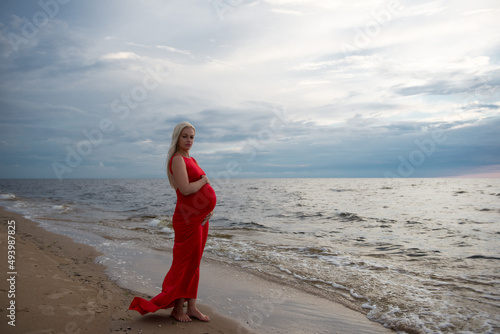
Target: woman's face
x=186 y=139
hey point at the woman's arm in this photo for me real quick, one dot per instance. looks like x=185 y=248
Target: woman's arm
x=181 y=180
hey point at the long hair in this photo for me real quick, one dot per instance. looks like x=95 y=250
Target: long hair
x=173 y=146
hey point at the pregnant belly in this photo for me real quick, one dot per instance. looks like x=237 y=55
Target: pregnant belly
x=205 y=199
x=196 y=206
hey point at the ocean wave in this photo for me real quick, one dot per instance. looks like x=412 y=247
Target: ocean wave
x=8 y=197
x=161 y=223
x=349 y=217
x=314 y=250
x=23 y=205
x=484 y=257
x=340 y=190
x=248 y=226
x=167 y=230
x=413 y=222
x=303 y=215
x=62 y=208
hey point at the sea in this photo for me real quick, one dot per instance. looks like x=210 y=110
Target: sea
x=416 y=255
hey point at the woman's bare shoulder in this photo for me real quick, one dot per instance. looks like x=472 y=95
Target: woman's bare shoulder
x=178 y=160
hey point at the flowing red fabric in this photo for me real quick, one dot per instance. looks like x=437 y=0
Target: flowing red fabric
x=189 y=241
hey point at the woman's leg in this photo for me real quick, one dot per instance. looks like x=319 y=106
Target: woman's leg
x=192 y=311
x=178 y=311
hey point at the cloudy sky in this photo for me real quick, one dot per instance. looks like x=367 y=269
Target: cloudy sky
x=275 y=88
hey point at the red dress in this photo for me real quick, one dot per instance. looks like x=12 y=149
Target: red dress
x=190 y=238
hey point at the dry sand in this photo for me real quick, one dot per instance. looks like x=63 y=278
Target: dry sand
x=59 y=288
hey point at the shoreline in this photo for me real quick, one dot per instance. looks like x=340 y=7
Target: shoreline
x=60 y=288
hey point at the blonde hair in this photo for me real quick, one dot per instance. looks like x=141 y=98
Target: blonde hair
x=173 y=146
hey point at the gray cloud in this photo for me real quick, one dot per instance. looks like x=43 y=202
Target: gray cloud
x=267 y=87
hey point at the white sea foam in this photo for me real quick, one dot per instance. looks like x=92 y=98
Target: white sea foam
x=63 y=208
x=154 y=222
x=368 y=306
x=356 y=295
x=163 y=224
x=167 y=230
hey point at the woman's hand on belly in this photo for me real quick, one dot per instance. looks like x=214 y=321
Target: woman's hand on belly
x=207 y=218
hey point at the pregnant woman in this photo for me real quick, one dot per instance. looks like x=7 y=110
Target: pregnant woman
x=195 y=202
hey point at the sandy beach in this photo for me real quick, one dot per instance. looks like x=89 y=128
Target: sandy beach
x=56 y=286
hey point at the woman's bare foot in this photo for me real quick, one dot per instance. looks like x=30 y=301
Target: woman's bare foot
x=178 y=311
x=195 y=313
x=180 y=316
